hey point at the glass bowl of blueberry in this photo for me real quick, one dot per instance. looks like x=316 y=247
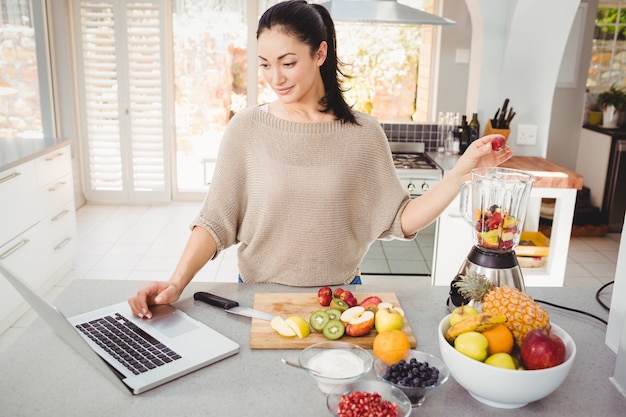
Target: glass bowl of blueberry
x=416 y=375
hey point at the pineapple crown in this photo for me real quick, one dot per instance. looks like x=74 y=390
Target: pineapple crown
x=473 y=286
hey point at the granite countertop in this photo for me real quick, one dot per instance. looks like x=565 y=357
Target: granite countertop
x=56 y=381
x=16 y=151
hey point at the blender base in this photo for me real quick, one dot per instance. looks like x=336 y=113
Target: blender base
x=499 y=268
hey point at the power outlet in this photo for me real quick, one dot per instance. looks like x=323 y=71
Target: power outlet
x=526 y=134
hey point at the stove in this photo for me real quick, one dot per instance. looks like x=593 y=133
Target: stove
x=415 y=169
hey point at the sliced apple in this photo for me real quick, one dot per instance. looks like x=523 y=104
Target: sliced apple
x=281 y=327
x=386 y=305
x=358 y=320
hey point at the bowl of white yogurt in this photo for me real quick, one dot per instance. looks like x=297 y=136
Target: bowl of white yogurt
x=332 y=364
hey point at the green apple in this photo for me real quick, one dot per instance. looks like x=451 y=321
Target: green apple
x=472 y=344
x=461 y=312
x=387 y=319
x=501 y=360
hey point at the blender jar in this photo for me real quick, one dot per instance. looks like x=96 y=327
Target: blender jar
x=499 y=200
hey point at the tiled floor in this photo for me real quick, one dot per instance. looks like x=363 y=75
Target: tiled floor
x=143 y=242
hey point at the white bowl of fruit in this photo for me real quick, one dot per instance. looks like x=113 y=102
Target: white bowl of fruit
x=335 y=364
x=507 y=354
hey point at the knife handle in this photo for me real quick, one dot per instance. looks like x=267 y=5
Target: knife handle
x=215 y=300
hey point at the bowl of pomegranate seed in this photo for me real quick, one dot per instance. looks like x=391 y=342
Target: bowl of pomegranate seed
x=368 y=397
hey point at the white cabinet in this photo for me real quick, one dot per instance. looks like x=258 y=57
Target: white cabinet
x=37 y=226
x=594 y=150
x=452 y=244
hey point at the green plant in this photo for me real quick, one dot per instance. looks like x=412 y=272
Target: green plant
x=613 y=96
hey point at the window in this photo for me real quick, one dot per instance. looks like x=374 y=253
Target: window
x=608 y=56
x=123 y=96
x=25 y=92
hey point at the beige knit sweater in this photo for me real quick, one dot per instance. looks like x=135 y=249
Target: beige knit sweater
x=304 y=200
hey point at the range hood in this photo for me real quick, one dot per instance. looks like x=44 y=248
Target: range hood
x=381 y=11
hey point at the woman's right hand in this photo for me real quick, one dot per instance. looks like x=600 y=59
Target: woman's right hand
x=152 y=294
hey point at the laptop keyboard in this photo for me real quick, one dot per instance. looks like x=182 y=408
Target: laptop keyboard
x=128 y=344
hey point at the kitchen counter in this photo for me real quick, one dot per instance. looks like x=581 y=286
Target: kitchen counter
x=41 y=375
x=16 y=151
x=547 y=173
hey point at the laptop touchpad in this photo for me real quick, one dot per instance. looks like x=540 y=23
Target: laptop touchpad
x=165 y=319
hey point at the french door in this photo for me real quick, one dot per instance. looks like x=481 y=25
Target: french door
x=124 y=98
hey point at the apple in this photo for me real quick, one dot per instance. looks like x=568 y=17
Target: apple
x=371 y=303
x=338 y=292
x=388 y=319
x=472 y=344
x=385 y=304
x=324 y=296
x=358 y=321
x=501 y=360
x=345 y=294
x=351 y=300
x=460 y=313
x=324 y=299
x=542 y=349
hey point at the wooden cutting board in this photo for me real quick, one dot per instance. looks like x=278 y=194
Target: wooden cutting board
x=262 y=336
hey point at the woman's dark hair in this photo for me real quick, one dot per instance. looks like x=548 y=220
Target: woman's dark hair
x=312 y=24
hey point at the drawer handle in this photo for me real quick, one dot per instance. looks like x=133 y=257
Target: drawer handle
x=63 y=243
x=56 y=186
x=10 y=176
x=60 y=215
x=55 y=156
x=14 y=249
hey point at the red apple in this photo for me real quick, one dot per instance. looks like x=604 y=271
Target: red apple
x=542 y=349
x=338 y=292
x=371 y=303
x=497 y=143
x=325 y=291
x=351 y=300
x=345 y=294
x=358 y=321
x=324 y=299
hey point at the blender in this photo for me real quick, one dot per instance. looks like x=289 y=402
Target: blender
x=499 y=200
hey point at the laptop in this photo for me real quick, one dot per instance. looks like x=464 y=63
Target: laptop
x=173 y=344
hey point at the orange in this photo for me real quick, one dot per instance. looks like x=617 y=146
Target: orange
x=500 y=339
x=391 y=345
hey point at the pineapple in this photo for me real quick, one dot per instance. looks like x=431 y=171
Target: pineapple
x=522 y=312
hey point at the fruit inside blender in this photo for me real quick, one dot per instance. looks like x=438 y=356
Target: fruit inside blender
x=496 y=229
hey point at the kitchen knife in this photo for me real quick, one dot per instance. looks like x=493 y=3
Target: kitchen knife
x=231 y=306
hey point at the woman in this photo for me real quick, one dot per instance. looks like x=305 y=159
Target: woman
x=305 y=184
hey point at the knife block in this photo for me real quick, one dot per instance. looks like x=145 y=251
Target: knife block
x=489 y=130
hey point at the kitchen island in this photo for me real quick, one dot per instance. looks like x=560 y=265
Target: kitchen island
x=43 y=376
x=552 y=181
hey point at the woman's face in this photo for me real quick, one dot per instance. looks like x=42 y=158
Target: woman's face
x=289 y=68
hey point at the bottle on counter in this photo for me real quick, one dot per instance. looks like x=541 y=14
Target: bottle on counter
x=474 y=128
x=463 y=135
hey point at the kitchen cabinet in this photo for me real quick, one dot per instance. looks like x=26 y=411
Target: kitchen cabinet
x=602 y=163
x=592 y=162
x=37 y=224
x=454 y=239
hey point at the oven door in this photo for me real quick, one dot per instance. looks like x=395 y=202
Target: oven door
x=401 y=257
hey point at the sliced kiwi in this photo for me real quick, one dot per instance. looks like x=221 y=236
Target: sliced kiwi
x=334 y=329
x=333 y=313
x=318 y=320
x=339 y=304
